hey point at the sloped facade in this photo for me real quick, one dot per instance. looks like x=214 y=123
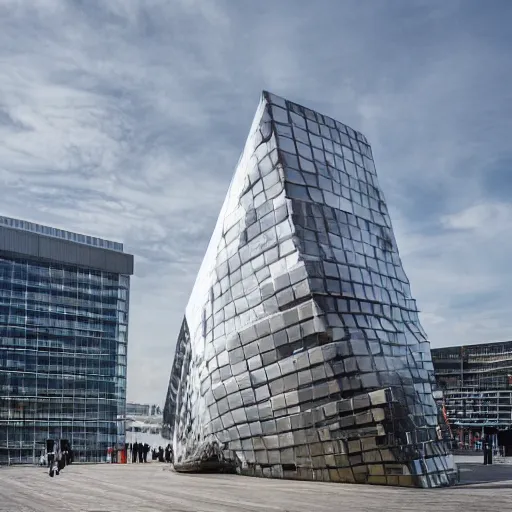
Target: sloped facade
x=301 y=354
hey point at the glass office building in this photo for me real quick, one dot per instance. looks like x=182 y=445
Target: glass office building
x=63 y=341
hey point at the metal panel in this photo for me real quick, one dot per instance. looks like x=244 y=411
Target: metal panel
x=57 y=250
x=96 y=257
x=119 y=261
x=18 y=243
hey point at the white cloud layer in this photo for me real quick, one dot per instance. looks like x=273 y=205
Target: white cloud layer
x=125 y=120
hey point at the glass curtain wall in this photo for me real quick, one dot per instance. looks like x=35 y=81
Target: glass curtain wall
x=63 y=347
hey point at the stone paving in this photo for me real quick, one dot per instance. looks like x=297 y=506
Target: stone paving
x=154 y=487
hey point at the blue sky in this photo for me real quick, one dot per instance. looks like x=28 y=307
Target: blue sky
x=125 y=120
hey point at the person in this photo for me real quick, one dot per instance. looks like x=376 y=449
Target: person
x=146 y=451
x=140 y=450
x=67 y=452
x=54 y=456
x=135 y=451
x=168 y=454
x=160 y=454
x=70 y=456
x=487 y=450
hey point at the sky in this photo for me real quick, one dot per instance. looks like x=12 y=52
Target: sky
x=125 y=120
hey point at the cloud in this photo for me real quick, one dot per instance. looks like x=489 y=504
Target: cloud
x=459 y=271
x=125 y=120
x=483 y=218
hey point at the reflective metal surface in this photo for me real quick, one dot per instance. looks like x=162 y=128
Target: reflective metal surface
x=301 y=354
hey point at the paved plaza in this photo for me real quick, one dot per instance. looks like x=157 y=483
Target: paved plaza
x=154 y=487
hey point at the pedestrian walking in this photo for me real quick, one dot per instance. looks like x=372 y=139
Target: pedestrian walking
x=54 y=456
x=135 y=451
x=140 y=450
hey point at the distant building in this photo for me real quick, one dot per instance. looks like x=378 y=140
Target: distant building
x=63 y=341
x=144 y=424
x=476 y=385
x=133 y=409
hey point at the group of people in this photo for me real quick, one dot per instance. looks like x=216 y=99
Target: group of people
x=139 y=453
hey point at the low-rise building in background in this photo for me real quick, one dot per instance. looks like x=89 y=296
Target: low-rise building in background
x=476 y=386
x=135 y=409
x=144 y=424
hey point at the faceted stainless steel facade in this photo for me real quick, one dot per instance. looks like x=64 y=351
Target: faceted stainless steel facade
x=301 y=354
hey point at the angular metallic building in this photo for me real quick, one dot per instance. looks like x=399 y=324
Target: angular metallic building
x=63 y=341
x=301 y=354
